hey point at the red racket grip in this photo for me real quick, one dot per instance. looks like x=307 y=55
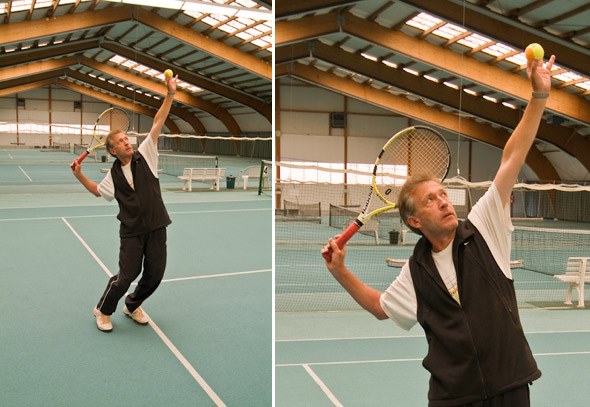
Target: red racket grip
x=82 y=157
x=343 y=239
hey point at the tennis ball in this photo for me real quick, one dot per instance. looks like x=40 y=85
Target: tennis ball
x=168 y=72
x=534 y=51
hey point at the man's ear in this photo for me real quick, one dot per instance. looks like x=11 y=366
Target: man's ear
x=414 y=222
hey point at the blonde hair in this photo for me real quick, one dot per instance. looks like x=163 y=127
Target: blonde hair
x=405 y=200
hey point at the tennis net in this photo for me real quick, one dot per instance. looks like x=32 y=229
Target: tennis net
x=174 y=164
x=56 y=148
x=541 y=248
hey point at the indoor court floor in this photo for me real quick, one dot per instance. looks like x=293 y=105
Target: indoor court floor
x=351 y=359
x=210 y=337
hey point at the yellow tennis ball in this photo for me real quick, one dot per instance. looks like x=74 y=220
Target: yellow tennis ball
x=534 y=51
x=168 y=73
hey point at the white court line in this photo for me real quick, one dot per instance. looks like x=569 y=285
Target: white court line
x=323 y=386
x=112 y=214
x=237 y=273
x=356 y=338
x=173 y=349
x=26 y=175
x=350 y=362
x=352 y=338
x=562 y=353
x=357 y=362
x=110 y=204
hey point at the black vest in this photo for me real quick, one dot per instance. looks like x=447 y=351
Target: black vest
x=476 y=349
x=141 y=210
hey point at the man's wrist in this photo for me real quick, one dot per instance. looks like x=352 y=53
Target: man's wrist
x=174 y=93
x=540 y=95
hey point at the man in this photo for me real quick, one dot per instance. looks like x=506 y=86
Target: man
x=133 y=182
x=458 y=284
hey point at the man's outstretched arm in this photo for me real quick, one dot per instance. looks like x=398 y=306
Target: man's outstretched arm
x=521 y=140
x=162 y=114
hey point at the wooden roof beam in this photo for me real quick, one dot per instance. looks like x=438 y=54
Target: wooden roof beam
x=473 y=70
x=177 y=111
x=418 y=111
x=124 y=103
x=210 y=45
x=212 y=108
x=37 y=54
x=286 y=8
x=562 y=137
x=27 y=86
x=258 y=104
x=30 y=30
x=504 y=30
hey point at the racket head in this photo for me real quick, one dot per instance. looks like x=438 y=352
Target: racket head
x=411 y=151
x=111 y=119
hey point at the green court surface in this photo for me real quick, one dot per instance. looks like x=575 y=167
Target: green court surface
x=351 y=359
x=328 y=352
x=210 y=339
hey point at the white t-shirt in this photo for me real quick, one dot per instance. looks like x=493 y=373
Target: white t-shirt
x=492 y=221
x=149 y=151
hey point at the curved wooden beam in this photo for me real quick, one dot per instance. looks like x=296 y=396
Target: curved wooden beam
x=211 y=46
x=146 y=100
x=540 y=165
x=562 y=137
x=506 y=82
x=212 y=108
x=141 y=109
x=258 y=104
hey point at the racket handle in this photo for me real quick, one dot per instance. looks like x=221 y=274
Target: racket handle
x=343 y=239
x=82 y=157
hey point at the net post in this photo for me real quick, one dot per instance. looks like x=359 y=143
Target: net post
x=261 y=179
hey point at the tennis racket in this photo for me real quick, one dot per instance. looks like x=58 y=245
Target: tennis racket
x=417 y=149
x=111 y=119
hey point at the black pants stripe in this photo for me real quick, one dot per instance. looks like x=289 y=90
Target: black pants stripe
x=149 y=249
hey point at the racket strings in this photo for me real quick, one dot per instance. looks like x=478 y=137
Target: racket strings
x=417 y=151
x=114 y=119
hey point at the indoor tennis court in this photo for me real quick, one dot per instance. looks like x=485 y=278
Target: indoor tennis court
x=351 y=359
x=209 y=339
x=349 y=78
x=65 y=67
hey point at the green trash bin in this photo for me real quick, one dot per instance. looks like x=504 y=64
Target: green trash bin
x=230 y=181
x=393 y=237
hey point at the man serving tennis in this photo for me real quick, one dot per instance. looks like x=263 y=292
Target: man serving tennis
x=458 y=284
x=133 y=182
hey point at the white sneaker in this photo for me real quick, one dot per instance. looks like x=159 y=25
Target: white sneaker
x=103 y=322
x=137 y=315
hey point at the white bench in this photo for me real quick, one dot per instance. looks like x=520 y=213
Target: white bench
x=213 y=175
x=576 y=275
x=252 y=172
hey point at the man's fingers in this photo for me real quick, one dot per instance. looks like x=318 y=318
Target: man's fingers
x=550 y=63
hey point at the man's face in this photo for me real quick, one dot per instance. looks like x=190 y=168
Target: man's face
x=122 y=148
x=435 y=214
